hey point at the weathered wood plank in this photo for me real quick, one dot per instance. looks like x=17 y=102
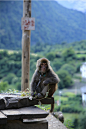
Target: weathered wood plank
x=14 y=101
x=25 y=113
x=44 y=101
x=9 y=95
x=3 y=118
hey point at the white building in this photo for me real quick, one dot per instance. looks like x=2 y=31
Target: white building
x=83 y=90
x=83 y=70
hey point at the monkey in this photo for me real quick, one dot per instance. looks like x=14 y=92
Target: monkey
x=44 y=79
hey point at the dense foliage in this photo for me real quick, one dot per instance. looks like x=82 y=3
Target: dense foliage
x=10 y=69
x=54 y=24
x=64 y=61
x=81 y=121
x=71 y=104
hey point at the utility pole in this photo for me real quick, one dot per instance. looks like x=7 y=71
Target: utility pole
x=27 y=23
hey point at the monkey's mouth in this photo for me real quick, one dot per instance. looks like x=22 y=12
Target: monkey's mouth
x=43 y=70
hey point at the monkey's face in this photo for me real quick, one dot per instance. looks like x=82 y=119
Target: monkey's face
x=43 y=67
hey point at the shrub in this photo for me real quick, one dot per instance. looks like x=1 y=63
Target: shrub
x=3 y=86
x=69 y=68
x=65 y=78
x=50 y=56
x=57 y=64
x=68 y=53
x=9 y=78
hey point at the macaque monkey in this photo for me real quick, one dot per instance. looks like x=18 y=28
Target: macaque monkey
x=44 y=80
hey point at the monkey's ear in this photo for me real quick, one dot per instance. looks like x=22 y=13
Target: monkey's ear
x=56 y=87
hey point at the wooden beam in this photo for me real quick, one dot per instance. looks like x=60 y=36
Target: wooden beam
x=26 y=48
x=16 y=101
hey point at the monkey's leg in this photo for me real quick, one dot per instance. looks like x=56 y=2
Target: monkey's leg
x=45 y=89
x=43 y=92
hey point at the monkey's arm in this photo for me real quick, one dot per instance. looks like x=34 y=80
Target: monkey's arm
x=33 y=82
x=52 y=78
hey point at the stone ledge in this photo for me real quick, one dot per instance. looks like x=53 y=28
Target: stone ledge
x=54 y=123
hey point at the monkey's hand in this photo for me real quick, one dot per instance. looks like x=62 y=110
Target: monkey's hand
x=33 y=94
x=45 y=83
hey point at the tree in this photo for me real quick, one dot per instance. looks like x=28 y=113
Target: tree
x=57 y=64
x=67 y=53
x=69 y=68
x=78 y=65
x=18 y=85
x=50 y=56
x=9 y=78
x=82 y=120
x=3 y=86
x=65 y=79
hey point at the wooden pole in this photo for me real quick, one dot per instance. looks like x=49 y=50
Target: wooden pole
x=26 y=48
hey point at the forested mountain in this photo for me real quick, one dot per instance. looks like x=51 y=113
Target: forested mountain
x=54 y=24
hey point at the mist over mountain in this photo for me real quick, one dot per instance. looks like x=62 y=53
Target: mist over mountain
x=54 y=24
x=79 y=5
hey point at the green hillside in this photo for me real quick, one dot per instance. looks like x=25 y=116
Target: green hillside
x=54 y=24
x=65 y=61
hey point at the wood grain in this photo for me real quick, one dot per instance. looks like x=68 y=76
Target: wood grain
x=25 y=113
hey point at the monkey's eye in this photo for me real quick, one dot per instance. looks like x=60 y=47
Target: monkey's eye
x=44 y=64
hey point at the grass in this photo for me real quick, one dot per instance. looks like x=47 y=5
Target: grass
x=61 y=98
x=69 y=94
x=70 y=116
x=81 y=55
x=9 y=51
x=44 y=106
x=77 y=77
x=68 y=119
